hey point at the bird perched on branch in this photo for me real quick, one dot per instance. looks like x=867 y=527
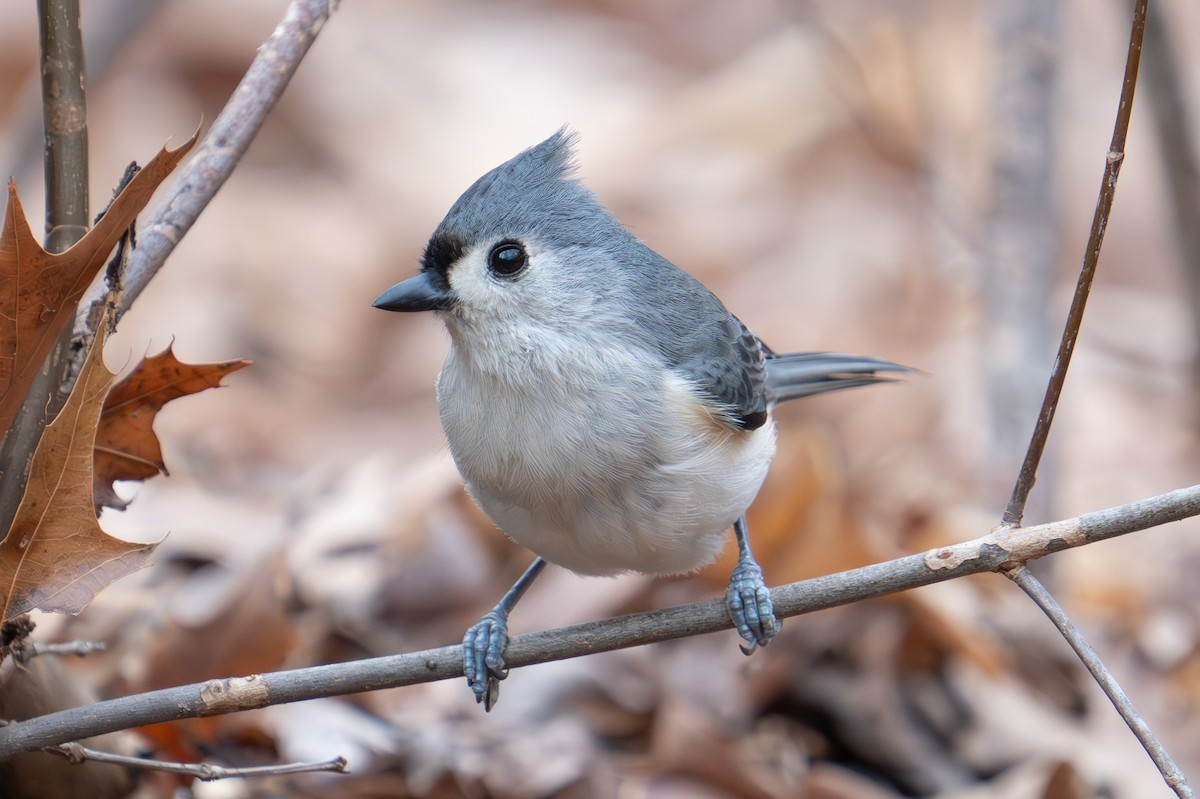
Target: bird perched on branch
x=603 y=406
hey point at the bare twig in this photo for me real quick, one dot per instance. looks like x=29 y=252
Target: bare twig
x=114 y=27
x=76 y=648
x=64 y=115
x=1003 y=548
x=227 y=141
x=1104 y=678
x=1015 y=511
x=77 y=753
x=1108 y=187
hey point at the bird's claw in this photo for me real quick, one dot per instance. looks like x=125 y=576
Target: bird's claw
x=749 y=602
x=483 y=657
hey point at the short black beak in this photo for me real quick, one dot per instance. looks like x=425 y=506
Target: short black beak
x=415 y=294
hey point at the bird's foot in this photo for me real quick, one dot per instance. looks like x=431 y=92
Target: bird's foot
x=483 y=657
x=749 y=602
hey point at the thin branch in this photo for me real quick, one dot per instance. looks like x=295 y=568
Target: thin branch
x=1015 y=511
x=1171 y=772
x=1037 y=592
x=64 y=121
x=112 y=30
x=1108 y=187
x=226 y=142
x=64 y=114
x=77 y=753
x=1003 y=548
x=76 y=648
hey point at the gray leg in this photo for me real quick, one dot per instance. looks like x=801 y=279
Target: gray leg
x=485 y=642
x=748 y=599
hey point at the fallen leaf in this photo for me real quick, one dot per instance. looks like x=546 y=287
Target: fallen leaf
x=55 y=557
x=39 y=290
x=126 y=446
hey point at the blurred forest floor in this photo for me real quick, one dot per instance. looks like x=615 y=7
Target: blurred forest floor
x=825 y=168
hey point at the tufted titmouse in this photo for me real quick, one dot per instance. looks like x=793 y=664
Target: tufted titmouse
x=604 y=407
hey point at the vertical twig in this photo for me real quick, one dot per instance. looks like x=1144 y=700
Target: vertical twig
x=1108 y=187
x=117 y=23
x=1037 y=592
x=64 y=114
x=64 y=111
x=1015 y=511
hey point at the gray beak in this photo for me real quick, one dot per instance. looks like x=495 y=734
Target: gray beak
x=415 y=294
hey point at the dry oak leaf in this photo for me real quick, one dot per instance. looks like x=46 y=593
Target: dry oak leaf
x=55 y=557
x=126 y=447
x=39 y=290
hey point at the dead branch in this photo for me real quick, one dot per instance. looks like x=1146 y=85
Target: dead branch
x=1101 y=674
x=226 y=142
x=1002 y=548
x=1015 y=511
x=77 y=753
x=64 y=121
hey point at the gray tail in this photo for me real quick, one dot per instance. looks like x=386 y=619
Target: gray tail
x=802 y=374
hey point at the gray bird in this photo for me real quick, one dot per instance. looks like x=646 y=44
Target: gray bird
x=603 y=406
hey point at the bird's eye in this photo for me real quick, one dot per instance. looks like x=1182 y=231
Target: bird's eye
x=507 y=258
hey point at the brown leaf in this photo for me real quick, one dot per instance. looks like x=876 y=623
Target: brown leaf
x=55 y=556
x=38 y=290
x=126 y=447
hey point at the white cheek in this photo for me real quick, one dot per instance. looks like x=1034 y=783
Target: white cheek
x=471 y=283
x=485 y=300
x=487 y=323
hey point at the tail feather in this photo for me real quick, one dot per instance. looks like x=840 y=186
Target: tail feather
x=802 y=374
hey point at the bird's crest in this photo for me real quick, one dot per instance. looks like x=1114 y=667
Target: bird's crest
x=534 y=193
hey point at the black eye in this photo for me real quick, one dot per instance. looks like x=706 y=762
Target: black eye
x=507 y=258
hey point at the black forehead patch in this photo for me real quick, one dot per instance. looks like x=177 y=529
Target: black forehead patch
x=441 y=253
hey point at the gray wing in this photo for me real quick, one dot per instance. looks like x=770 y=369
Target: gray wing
x=730 y=368
x=699 y=338
x=696 y=336
x=745 y=377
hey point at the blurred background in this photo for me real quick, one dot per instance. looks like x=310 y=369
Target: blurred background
x=912 y=180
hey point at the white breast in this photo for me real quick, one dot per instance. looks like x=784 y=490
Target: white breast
x=597 y=463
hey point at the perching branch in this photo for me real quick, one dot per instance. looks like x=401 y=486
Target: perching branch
x=1000 y=549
